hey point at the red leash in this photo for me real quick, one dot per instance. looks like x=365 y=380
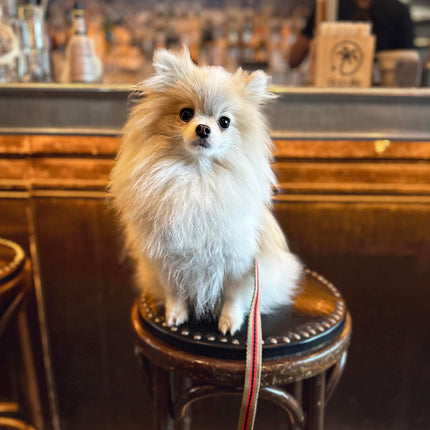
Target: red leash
x=253 y=360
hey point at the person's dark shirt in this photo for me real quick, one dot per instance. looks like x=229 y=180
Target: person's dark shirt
x=391 y=23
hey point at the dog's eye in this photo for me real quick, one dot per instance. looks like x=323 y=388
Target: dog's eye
x=224 y=122
x=186 y=114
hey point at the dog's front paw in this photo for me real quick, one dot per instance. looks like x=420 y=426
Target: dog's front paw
x=176 y=313
x=230 y=320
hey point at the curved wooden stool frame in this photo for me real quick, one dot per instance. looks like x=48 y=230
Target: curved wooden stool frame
x=13 y=290
x=300 y=384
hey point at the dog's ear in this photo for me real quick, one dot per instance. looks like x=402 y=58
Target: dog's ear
x=257 y=86
x=172 y=66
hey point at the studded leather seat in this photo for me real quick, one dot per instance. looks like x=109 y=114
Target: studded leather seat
x=304 y=351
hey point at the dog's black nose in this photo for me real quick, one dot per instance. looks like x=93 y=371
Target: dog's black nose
x=203 y=131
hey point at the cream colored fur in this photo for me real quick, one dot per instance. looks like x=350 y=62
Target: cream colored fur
x=196 y=217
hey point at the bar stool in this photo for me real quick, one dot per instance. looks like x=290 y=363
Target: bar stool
x=304 y=353
x=13 y=290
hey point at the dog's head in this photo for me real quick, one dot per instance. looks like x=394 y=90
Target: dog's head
x=202 y=111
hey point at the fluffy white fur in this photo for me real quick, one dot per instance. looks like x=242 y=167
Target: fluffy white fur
x=197 y=216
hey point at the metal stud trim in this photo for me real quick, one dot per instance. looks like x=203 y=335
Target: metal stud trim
x=311 y=330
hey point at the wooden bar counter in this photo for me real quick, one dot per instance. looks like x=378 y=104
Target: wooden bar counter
x=353 y=198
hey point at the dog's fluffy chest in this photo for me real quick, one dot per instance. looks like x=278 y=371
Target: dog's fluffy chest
x=204 y=221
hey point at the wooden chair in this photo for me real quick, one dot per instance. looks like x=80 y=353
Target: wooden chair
x=13 y=290
x=304 y=352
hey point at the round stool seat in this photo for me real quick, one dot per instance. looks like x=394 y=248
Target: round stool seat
x=299 y=340
x=304 y=353
x=316 y=317
x=12 y=259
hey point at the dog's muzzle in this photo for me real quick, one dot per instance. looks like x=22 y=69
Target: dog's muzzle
x=202 y=142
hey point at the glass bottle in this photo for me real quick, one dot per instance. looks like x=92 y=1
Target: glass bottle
x=84 y=64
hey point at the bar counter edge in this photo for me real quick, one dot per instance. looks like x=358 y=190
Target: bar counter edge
x=297 y=112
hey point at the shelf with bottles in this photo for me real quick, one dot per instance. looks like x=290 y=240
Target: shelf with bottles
x=125 y=38
x=24 y=43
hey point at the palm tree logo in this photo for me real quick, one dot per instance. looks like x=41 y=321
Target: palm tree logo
x=346 y=57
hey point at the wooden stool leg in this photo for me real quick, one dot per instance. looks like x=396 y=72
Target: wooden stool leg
x=180 y=385
x=185 y=422
x=32 y=387
x=335 y=375
x=314 y=402
x=161 y=399
x=297 y=392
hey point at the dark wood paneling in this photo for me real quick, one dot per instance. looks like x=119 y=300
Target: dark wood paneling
x=75 y=145
x=378 y=149
x=71 y=173
x=88 y=293
x=13 y=218
x=377 y=254
x=14 y=144
x=347 y=177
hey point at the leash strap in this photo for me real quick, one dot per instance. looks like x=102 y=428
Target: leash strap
x=253 y=360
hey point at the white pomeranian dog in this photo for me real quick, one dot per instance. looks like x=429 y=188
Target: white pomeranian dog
x=193 y=186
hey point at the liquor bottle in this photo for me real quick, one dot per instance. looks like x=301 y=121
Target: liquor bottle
x=9 y=48
x=248 y=51
x=426 y=71
x=233 y=44
x=83 y=63
x=206 y=42
x=79 y=25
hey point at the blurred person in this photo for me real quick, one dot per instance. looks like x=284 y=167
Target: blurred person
x=391 y=23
